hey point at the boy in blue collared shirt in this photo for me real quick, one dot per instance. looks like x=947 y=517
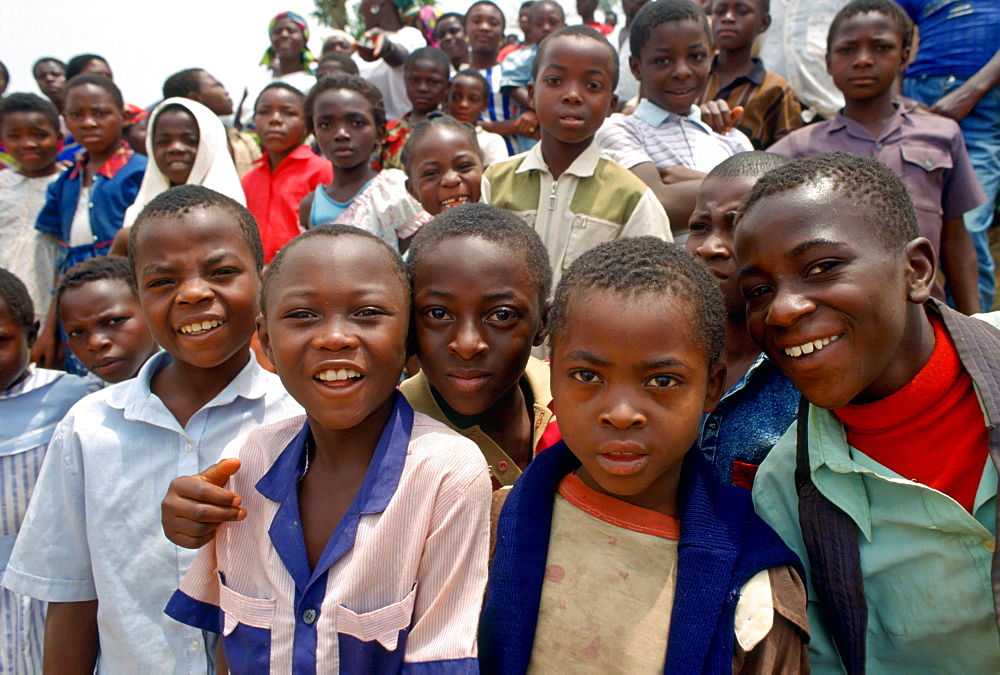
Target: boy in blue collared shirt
x=86 y=205
x=96 y=537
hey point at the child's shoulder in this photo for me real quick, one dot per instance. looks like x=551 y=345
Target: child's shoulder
x=437 y=449
x=930 y=123
x=612 y=175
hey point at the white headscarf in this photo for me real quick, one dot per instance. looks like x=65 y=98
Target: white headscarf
x=213 y=165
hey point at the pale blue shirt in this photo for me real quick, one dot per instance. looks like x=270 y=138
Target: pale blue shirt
x=97 y=533
x=926 y=560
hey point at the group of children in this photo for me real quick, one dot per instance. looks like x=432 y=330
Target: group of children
x=622 y=533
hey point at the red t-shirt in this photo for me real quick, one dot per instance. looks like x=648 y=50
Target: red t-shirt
x=273 y=199
x=932 y=430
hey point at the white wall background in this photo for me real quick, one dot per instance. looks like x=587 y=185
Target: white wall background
x=145 y=41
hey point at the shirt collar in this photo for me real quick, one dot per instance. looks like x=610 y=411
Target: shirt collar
x=582 y=167
x=381 y=479
x=756 y=74
x=252 y=382
x=111 y=166
x=841 y=121
x=654 y=115
x=36 y=379
x=301 y=152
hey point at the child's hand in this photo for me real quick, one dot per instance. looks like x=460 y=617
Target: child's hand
x=47 y=352
x=527 y=124
x=717 y=115
x=370 y=45
x=196 y=505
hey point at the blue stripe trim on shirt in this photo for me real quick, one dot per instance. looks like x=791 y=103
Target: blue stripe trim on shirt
x=187 y=610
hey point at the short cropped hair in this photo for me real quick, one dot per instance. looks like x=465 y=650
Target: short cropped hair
x=580 y=31
x=14 y=295
x=488 y=3
x=421 y=128
x=47 y=59
x=889 y=8
x=182 y=84
x=19 y=102
x=104 y=267
x=493 y=224
x=333 y=230
x=277 y=85
x=183 y=199
x=98 y=81
x=76 y=64
x=346 y=63
x=638 y=266
x=663 y=11
x=432 y=55
x=748 y=165
x=867 y=182
x=477 y=76
x=353 y=83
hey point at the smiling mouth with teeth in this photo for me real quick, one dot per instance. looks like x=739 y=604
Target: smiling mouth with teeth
x=454 y=201
x=196 y=328
x=810 y=347
x=340 y=374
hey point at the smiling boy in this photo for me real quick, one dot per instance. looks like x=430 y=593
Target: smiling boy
x=197 y=256
x=884 y=486
x=671 y=47
x=563 y=187
x=612 y=551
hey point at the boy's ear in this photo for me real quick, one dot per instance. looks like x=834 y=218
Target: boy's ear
x=921 y=269
x=716 y=387
x=904 y=60
x=633 y=65
x=31 y=334
x=264 y=338
x=612 y=105
x=409 y=189
x=543 y=326
x=765 y=23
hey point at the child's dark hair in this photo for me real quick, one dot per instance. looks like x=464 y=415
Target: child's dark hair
x=333 y=230
x=98 y=81
x=6 y=77
x=110 y=267
x=182 y=84
x=493 y=224
x=477 y=76
x=488 y=3
x=353 y=83
x=183 y=199
x=663 y=11
x=76 y=64
x=420 y=130
x=14 y=295
x=748 y=165
x=47 y=59
x=32 y=103
x=448 y=15
x=866 y=182
x=636 y=266
x=346 y=63
x=278 y=85
x=888 y=8
x=580 y=31
x=437 y=58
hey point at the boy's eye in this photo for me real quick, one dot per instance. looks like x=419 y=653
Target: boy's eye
x=594 y=85
x=436 y=313
x=662 y=381
x=429 y=174
x=821 y=267
x=755 y=292
x=368 y=312
x=584 y=376
x=552 y=81
x=76 y=332
x=503 y=315
x=698 y=227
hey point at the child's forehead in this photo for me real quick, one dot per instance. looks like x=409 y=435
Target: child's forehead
x=678 y=33
x=26 y=118
x=469 y=82
x=575 y=51
x=280 y=96
x=92 y=91
x=543 y=8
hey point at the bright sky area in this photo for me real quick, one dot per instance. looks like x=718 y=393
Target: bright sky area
x=145 y=42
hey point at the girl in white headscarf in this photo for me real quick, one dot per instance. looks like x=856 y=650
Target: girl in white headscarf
x=186 y=144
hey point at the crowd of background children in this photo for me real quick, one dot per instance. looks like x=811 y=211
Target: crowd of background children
x=731 y=403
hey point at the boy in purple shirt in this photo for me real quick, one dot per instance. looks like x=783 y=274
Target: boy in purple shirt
x=868 y=45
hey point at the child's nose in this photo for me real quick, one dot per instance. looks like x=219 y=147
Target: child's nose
x=468 y=341
x=622 y=413
x=97 y=341
x=788 y=306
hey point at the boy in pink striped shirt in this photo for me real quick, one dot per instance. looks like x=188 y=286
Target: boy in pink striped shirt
x=364 y=541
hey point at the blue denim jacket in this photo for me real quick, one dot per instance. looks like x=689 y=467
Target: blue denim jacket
x=749 y=419
x=112 y=191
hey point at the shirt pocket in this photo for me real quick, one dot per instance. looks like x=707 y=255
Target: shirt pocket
x=246 y=630
x=925 y=170
x=585 y=233
x=374 y=641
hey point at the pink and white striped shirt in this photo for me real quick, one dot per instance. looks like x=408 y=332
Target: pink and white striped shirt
x=400 y=581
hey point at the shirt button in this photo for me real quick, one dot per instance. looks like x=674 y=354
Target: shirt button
x=501 y=466
x=309 y=616
x=188 y=446
x=990 y=545
x=927 y=163
x=879 y=146
x=713 y=424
